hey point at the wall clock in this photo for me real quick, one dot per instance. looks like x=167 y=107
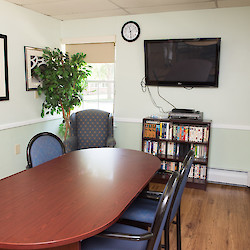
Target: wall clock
x=130 y=31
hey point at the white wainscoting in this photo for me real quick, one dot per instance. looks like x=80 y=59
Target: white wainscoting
x=28 y=122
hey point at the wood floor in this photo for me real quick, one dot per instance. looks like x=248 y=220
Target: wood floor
x=216 y=219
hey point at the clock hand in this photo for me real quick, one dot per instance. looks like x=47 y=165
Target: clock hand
x=130 y=32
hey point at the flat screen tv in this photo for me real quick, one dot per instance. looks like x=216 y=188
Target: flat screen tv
x=182 y=62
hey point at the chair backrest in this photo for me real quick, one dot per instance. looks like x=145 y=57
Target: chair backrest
x=163 y=211
x=92 y=128
x=187 y=163
x=44 y=147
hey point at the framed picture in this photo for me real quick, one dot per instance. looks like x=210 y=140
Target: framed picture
x=4 y=84
x=33 y=59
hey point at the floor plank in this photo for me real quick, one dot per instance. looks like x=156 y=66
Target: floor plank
x=218 y=218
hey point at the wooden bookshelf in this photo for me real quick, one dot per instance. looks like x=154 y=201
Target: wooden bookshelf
x=170 y=140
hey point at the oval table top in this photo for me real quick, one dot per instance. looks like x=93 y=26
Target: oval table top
x=72 y=197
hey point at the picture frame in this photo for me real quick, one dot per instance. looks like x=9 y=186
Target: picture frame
x=4 y=81
x=33 y=59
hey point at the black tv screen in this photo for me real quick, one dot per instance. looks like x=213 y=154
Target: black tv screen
x=182 y=62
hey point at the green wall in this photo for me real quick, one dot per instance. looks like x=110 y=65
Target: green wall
x=20 y=115
x=10 y=161
x=223 y=153
x=229 y=148
x=128 y=135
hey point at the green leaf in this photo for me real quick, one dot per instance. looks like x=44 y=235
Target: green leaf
x=63 y=80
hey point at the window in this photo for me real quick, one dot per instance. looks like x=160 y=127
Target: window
x=100 y=90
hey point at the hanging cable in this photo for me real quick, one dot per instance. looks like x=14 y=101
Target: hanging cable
x=153 y=101
x=164 y=98
x=188 y=88
x=145 y=88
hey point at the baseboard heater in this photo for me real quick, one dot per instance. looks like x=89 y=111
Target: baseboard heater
x=231 y=177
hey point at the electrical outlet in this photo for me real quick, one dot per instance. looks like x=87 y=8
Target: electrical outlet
x=17 y=149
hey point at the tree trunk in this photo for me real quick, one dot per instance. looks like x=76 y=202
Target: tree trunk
x=67 y=127
x=66 y=117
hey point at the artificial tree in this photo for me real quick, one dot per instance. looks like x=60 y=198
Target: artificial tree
x=63 y=79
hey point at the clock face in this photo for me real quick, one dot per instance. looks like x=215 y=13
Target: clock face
x=130 y=31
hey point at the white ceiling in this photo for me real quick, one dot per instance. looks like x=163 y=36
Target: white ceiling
x=80 y=9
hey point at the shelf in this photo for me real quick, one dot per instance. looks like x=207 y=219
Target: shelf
x=180 y=159
x=176 y=141
x=183 y=135
x=197 y=183
x=191 y=183
x=180 y=121
x=160 y=178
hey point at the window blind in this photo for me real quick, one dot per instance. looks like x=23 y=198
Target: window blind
x=95 y=52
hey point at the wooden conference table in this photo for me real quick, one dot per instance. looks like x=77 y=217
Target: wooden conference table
x=70 y=198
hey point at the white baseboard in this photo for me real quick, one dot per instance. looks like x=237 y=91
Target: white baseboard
x=232 y=177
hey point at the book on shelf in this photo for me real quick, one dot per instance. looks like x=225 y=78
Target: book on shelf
x=205 y=134
x=157 y=131
x=162 y=148
x=200 y=151
x=165 y=131
x=197 y=171
x=191 y=172
x=170 y=165
x=171 y=149
x=155 y=148
x=150 y=130
x=170 y=131
x=174 y=149
x=149 y=147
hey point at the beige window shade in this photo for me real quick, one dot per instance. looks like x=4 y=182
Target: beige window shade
x=95 y=52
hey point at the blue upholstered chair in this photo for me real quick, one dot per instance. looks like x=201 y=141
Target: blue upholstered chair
x=142 y=211
x=90 y=128
x=120 y=236
x=44 y=147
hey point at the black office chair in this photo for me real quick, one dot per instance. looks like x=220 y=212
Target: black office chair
x=90 y=128
x=120 y=236
x=141 y=212
x=43 y=147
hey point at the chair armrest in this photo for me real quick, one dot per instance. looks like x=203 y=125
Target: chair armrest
x=71 y=144
x=123 y=236
x=28 y=167
x=164 y=171
x=111 y=142
x=153 y=195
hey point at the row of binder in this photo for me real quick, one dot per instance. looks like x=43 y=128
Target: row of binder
x=197 y=171
x=170 y=131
